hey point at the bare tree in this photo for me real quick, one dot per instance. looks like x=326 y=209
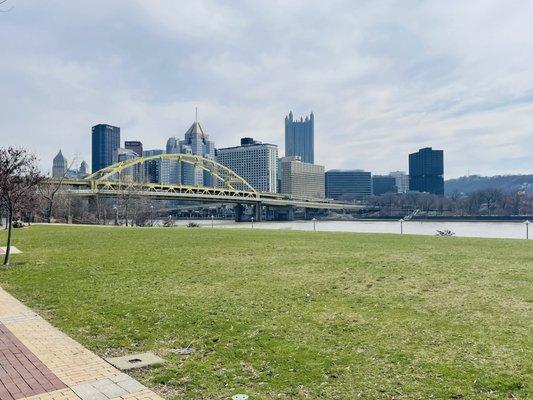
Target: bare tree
x=49 y=191
x=19 y=175
x=2 y=2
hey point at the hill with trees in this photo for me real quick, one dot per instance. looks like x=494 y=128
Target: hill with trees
x=505 y=183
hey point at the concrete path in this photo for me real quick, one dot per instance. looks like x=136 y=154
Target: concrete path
x=38 y=362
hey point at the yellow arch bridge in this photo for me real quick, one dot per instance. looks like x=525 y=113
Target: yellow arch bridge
x=126 y=178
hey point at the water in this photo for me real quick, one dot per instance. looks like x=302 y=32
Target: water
x=503 y=230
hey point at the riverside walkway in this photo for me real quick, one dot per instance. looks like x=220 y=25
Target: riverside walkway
x=39 y=362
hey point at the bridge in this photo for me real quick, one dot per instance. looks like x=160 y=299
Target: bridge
x=126 y=178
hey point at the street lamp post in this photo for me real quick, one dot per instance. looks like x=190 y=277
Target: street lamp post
x=527 y=228
x=314 y=224
x=252 y=222
x=116 y=214
x=69 y=218
x=401 y=226
x=152 y=214
x=212 y=221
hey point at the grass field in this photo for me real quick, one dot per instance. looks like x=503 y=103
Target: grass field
x=290 y=315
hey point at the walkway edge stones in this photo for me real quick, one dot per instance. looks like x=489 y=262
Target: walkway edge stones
x=39 y=362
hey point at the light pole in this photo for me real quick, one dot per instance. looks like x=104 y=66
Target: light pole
x=69 y=218
x=314 y=224
x=152 y=214
x=401 y=226
x=212 y=221
x=252 y=222
x=527 y=228
x=116 y=214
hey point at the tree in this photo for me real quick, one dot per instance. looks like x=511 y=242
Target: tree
x=3 y=2
x=19 y=175
x=49 y=191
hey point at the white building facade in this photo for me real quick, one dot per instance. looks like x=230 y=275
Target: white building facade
x=254 y=161
x=402 y=181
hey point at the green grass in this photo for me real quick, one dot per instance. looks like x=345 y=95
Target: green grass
x=291 y=315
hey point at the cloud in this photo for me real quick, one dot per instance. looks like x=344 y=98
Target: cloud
x=384 y=78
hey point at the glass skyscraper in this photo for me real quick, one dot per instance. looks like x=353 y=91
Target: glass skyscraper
x=196 y=142
x=105 y=143
x=300 y=138
x=426 y=170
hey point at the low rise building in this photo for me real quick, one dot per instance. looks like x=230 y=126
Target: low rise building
x=382 y=184
x=347 y=185
x=301 y=179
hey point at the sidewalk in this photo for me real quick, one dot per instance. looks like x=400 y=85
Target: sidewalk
x=38 y=362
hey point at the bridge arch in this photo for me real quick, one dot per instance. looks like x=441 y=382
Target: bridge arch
x=227 y=177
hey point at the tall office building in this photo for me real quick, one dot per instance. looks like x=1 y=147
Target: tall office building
x=300 y=138
x=84 y=170
x=135 y=146
x=59 y=165
x=130 y=173
x=354 y=184
x=402 y=181
x=196 y=142
x=301 y=179
x=152 y=168
x=170 y=172
x=254 y=161
x=105 y=143
x=426 y=171
x=382 y=184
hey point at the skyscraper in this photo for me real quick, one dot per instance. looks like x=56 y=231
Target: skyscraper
x=197 y=142
x=254 y=161
x=59 y=166
x=135 y=146
x=84 y=169
x=105 y=143
x=130 y=173
x=426 y=170
x=152 y=168
x=300 y=138
x=354 y=184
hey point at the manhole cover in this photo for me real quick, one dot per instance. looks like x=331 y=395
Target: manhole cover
x=135 y=361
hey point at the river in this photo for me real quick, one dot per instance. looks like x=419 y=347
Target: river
x=503 y=230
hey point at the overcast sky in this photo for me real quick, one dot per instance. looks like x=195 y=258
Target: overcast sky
x=383 y=78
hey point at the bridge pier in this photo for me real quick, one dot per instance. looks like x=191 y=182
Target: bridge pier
x=280 y=213
x=258 y=212
x=239 y=212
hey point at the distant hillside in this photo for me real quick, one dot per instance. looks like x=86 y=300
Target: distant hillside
x=506 y=183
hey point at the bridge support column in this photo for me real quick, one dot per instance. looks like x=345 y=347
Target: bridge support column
x=309 y=213
x=239 y=212
x=258 y=212
x=290 y=213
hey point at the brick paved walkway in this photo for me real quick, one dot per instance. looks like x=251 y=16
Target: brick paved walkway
x=38 y=362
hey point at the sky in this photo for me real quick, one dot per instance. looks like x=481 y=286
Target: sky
x=383 y=78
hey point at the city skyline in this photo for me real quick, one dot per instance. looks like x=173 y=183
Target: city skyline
x=384 y=77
